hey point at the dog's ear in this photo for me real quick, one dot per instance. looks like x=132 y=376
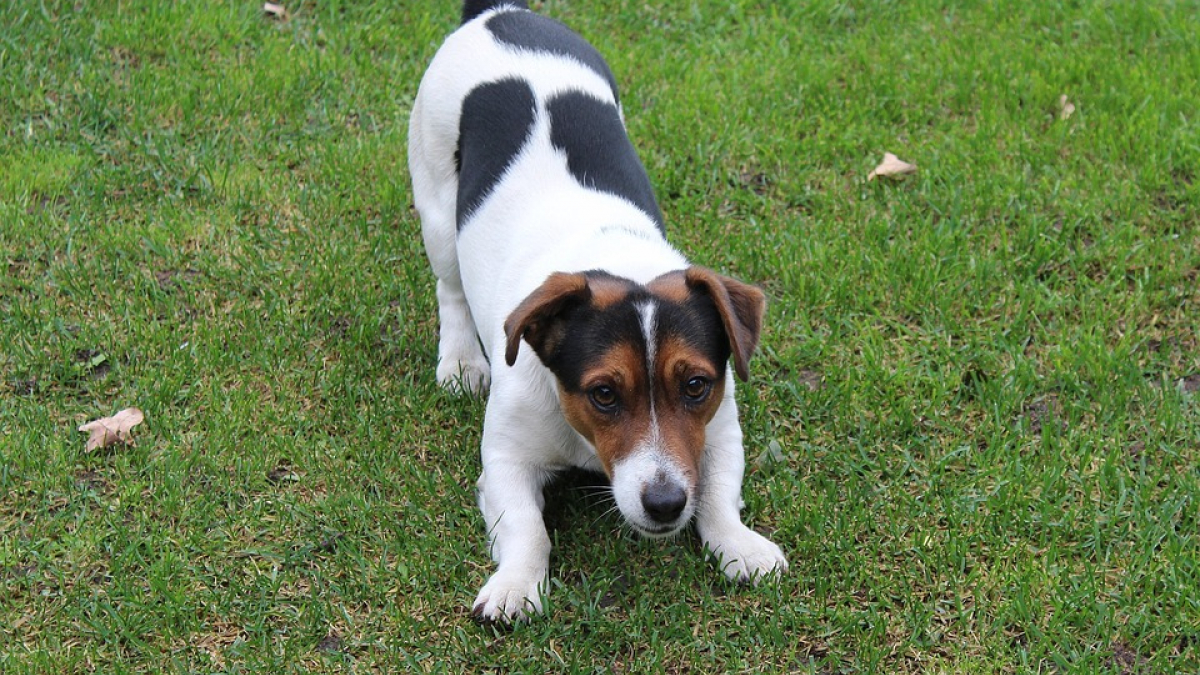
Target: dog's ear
x=741 y=307
x=534 y=319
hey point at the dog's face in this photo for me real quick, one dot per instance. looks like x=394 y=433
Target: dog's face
x=641 y=372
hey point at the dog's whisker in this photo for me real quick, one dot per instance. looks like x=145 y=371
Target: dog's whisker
x=606 y=513
x=595 y=495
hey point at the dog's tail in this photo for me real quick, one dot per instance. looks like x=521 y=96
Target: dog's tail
x=473 y=8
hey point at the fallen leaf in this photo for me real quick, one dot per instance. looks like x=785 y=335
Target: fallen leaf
x=274 y=9
x=1065 y=107
x=892 y=167
x=108 y=431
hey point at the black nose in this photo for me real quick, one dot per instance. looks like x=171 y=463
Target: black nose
x=664 y=501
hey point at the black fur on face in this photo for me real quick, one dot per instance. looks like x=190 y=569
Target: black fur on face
x=572 y=340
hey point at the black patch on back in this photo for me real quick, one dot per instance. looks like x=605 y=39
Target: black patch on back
x=526 y=30
x=473 y=8
x=497 y=120
x=598 y=150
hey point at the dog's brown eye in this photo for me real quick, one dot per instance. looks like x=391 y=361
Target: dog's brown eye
x=696 y=389
x=604 y=398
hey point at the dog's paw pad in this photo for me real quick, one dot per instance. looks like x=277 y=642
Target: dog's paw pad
x=748 y=557
x=504 y=600
x=464 y=377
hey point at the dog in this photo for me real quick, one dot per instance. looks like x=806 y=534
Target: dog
x=602 y=347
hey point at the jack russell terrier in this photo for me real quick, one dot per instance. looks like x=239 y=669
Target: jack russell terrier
x=541 y=226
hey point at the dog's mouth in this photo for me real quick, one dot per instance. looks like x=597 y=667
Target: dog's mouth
x=658 y=531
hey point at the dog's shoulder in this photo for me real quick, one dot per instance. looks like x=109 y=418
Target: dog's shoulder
x=530 y=32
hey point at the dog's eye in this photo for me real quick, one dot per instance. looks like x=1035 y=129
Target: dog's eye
x=604 y=398
x=696 y=389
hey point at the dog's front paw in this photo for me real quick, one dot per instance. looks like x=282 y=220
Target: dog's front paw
x=464 y=376
x=510 y=597
x=746 y=556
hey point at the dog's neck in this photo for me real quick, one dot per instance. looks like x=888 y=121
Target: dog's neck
x=641 y=230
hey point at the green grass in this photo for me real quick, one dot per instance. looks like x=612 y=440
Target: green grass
x=981 y=382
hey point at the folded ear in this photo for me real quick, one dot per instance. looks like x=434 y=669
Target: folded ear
x=534 y=320
x=741 y=307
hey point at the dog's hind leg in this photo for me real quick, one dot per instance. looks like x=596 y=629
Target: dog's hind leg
x=462 y=366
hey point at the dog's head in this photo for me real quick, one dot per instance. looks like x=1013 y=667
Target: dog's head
x=641 y=372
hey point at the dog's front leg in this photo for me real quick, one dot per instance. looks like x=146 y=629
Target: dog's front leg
x=740 y=552
x=510 y=496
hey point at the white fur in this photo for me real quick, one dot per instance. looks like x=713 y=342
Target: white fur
x=536 y=221
x=648 y=463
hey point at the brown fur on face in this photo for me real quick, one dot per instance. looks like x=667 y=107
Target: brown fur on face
x=682 y=422
x=741 y=307
x=613 y=434
x=537 y=319
x=585 y=327
x=534 y=319
x=645 y=412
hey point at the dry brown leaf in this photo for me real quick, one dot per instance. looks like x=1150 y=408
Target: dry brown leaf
x=274 y=9
x=892 y=167
x=1065 y=107
x=108 y=431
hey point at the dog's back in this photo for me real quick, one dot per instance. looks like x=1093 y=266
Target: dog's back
x=518 y=152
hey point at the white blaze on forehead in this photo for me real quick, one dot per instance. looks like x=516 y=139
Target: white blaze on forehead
x=646 y=313
x=653 y=442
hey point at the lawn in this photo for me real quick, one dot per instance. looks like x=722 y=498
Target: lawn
x=973 y=425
